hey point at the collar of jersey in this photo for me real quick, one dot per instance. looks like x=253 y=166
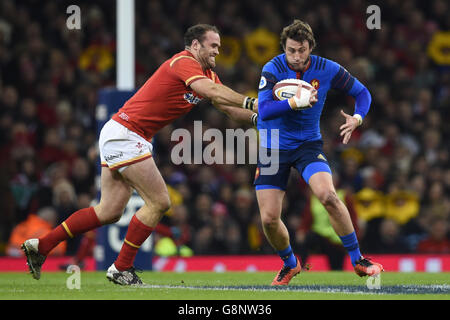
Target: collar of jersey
x=301 y=72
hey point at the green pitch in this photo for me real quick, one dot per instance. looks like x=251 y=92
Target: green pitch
x=227 y=285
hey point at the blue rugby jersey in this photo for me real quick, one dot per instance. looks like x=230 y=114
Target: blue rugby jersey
x=296 y=127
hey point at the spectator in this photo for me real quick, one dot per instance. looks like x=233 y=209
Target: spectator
x=24 y=187
x=369 y=204
x=401 y=206
x=438 y=202
x=64 y=199
x=220 y=236
x=34 y=226
x=389 y=240
x=438 y=240
x=202 y=209
x=180 y=221
x=82 y=176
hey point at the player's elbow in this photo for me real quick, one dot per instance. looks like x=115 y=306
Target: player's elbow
x=211 y=91
x=366 y=94
x=262 y=114
x=206 y=88
x=363 y=101
x=264 y=111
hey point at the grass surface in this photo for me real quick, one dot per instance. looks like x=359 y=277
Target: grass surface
x=226 y=286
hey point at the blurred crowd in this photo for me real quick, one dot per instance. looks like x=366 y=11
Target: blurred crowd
x=394 y=174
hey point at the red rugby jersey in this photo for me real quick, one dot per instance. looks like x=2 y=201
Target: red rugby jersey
x=165 y=96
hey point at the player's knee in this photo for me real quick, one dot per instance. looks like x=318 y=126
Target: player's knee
x=162 y=204
x=329 y=198
x=108 y=214
x=166 y=205
x=269 y=221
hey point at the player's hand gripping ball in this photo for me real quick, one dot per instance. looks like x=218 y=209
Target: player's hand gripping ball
x=301 y=94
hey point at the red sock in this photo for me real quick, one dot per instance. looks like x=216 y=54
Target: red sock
x=137 y=233
x=79 y=222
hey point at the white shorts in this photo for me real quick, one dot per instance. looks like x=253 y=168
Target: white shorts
x=121 y=147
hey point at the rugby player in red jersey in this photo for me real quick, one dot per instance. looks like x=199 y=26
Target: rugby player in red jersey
x=126 y=152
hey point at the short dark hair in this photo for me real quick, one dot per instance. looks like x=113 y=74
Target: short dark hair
x=298 y=31
x=198 y=32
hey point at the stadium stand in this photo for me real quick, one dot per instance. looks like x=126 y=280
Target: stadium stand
x=396 y=163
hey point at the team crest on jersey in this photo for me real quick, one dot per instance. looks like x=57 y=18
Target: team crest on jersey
x=315 y=83
x=262 y=82
x=139 y=146
x=191 y=98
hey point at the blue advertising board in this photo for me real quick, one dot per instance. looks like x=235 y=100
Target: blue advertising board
x=110 y=237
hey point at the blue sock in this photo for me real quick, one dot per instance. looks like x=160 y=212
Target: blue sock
x=350 y=243
x=288 y=257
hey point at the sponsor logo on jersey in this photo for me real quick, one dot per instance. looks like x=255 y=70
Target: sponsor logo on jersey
x=191 y=98
x=286 y=95
x=124 y=116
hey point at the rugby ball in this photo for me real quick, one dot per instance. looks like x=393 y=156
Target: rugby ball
x=287 y=88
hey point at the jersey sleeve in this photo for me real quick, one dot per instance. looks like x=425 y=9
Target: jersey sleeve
x=187 y=69
x=215 y=77
x=268 y=108
x=343 y=80
x=266 y=83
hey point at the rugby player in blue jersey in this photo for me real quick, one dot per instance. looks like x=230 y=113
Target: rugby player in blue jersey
x=291 y=129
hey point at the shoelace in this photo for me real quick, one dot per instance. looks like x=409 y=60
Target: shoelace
x=134 y=269
x=135 y=277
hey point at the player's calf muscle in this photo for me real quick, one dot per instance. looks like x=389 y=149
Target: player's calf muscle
x=340 y=220
x=335 y=207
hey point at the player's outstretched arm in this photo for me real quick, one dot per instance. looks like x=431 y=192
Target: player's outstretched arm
x=223 y=95
x=238 y=114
